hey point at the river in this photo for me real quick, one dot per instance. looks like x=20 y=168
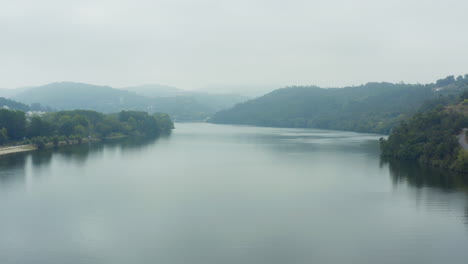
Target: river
x=229 y=194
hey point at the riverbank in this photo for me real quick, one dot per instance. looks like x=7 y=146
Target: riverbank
x=17 y=149
x=30 y=147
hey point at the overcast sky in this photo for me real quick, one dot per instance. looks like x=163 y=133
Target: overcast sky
x=192 y=44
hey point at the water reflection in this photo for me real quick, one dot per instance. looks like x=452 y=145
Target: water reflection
x=223 y=194
x=41 y=157
x=466 y=215
x=16 y=168
x=12 y=168
x=419 y=176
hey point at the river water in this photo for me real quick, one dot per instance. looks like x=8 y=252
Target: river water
x=229 y=194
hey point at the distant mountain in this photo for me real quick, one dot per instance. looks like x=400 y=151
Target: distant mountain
x=156 y=90
x=214 y=101
x=13 y=105
x=8 y=93
x=71 y=95
x=218 y=102
x=374 y=107
x=250 y=91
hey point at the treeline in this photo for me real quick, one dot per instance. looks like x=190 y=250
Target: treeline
x=372 y=108
x=78 y=124
x=429 y=137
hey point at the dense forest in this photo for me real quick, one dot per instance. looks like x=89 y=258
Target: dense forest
x=429 y=137
x=79 y=124
x=373 y=107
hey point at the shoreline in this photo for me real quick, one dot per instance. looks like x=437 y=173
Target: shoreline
x=7 y=150
x=17 y=149
x=31 y=147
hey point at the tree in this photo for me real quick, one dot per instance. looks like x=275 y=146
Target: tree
x=55 y=140
x=446 y=81
x=39 y=142
x=461 y=164
x=38 y=127
x=14 y=122
x=66 y=128
x=3 y=136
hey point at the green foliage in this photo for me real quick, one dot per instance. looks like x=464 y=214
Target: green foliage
x=55 y=141
x=77 y=124
x=40 y=142
x=3 y=135
x=141 y=123
x=164 y=121
x=461 y=163
x=37 y=127
x=15 y=123
x=428 y=137
x=374 y=107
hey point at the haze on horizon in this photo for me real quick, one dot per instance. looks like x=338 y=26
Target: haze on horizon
x=210 y=43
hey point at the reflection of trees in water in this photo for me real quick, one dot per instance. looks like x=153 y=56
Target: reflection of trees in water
x=41 y=158
x=466 y=215
x=420 y=176
x=131 y=143
x=13 y=160
x=81 y=153
x=12 y=167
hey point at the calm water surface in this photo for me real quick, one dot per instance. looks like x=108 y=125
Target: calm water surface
x=229 y=194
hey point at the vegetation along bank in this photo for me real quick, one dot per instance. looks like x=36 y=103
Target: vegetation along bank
x=433 y=137
x=75 y=126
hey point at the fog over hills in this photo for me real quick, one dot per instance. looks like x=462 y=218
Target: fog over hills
x=181 y=105
x=156 y=90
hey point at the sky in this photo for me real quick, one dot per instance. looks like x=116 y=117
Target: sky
x=221 y=44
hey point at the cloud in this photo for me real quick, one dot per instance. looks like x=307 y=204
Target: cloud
x=196 y=43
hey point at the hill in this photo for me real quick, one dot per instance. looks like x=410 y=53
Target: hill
x=9 y=93
x=215 y=102
x=373 y=107
x=155 y=90
x=13 y=105
x=70 y=96
x=430 y=138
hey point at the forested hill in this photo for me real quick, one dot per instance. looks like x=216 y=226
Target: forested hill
x=430 y=137
x=69 y=96
x=106 y=99
x=373 y=107
x=10 y=104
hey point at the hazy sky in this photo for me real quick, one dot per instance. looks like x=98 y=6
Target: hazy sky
x=191 y=44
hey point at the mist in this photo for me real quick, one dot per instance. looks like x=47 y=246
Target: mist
x=196 y=45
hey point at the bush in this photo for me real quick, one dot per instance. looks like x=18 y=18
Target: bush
x=39 y=142
x=55 y=140
x=429 y=138
x=461 y=164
